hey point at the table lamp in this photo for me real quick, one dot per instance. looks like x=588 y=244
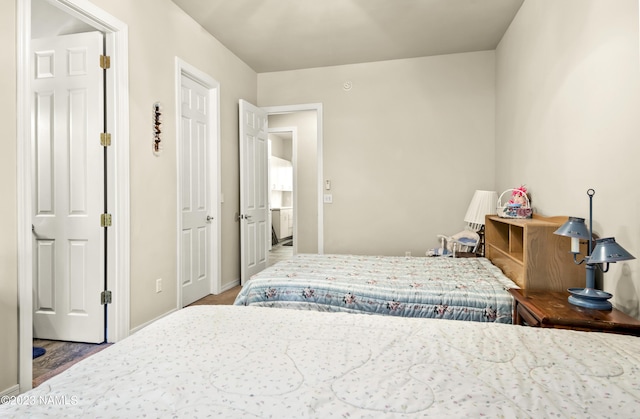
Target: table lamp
x=606 y=251
x=482 y=203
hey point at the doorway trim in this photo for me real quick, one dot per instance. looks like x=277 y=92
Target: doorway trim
x=274 y=110
x=213 y=86
x=117 y=111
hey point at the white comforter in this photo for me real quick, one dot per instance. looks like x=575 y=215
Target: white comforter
x=230 y=361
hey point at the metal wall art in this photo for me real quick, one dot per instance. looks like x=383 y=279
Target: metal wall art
x=157 y=114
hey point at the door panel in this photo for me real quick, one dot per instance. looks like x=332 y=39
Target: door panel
x=196 y=227
x=69 y=256
x=254 y=206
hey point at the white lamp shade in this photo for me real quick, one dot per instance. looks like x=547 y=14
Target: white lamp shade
x=482 y=203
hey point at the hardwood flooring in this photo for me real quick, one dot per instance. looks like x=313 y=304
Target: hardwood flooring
x=59 y=356
x=224 y=298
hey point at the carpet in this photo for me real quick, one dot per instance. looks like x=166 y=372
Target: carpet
x=289 y=243
x=38 y=351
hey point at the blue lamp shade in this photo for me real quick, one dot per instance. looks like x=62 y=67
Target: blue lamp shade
x=575 y=228
x=608 y=251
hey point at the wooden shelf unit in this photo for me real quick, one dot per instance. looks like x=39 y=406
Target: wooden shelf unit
x=528 y=252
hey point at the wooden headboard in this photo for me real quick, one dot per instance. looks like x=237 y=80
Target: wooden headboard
x=528 y=252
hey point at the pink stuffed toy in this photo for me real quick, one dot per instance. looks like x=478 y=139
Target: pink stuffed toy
x=519 y=196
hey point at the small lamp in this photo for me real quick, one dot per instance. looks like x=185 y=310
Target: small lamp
x=482 y=203
x=606 y=251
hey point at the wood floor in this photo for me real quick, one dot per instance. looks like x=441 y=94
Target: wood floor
x=59 y=356
x=224 y=298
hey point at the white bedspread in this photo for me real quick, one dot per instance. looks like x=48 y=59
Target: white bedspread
x=230 y=361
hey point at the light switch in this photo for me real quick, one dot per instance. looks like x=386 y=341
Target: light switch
x=327 y=184
x=328 y=198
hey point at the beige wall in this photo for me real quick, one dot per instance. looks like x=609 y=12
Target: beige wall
x=568 y=103
x=8 y=218
x=407 y=145
x=281 y=147
x=158 y=32
x=306 y=175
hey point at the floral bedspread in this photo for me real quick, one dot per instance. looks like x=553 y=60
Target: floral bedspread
x=255 y=362
x=445 y=288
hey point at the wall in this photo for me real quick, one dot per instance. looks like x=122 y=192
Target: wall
x=306 y=175
x=567 y=103
x=406 y=145
x=158 y=32
x=8 y=217
x=281 y=146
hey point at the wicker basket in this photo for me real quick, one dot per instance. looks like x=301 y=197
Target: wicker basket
x=513 y=210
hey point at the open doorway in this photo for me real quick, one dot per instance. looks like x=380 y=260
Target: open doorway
x=282 y=169
x=307 y=201
x=37 y=18
x=303 y=124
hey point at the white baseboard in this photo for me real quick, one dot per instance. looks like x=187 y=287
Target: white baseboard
x=226 y=287
x=142 y=326
x=230 y=285
x=11 y=391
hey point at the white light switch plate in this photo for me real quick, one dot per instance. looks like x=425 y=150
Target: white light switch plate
x=328 y=198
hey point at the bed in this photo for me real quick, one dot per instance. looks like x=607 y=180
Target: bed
x=438 y=287
x=230 y=361
x=521 y=253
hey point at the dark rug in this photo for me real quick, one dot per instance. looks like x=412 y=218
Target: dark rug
x=37 y=352
x=289 y=243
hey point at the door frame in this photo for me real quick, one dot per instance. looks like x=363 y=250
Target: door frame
x=117 y=111
x=294 y=163
x=274 y=110
x=213 y=86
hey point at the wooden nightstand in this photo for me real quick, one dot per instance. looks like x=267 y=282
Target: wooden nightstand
x=551 y=309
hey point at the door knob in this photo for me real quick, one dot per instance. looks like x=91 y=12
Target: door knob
x=247 y=217
x=209 y=218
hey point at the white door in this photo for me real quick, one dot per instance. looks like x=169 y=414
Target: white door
x=195 y=191
x=68 y=179
x=254 y=224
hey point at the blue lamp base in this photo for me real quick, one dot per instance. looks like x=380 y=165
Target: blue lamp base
x=590 y=298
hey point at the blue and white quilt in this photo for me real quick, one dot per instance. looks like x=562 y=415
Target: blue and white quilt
x=439 y=287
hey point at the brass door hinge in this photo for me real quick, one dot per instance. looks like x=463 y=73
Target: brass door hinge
x=105 y=139
x=105 y=62
x=105 y=220
x=105 y=297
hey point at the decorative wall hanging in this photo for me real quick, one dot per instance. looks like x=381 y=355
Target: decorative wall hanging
x=157 y=114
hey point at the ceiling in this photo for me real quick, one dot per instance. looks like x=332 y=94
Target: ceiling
x=276 y=35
